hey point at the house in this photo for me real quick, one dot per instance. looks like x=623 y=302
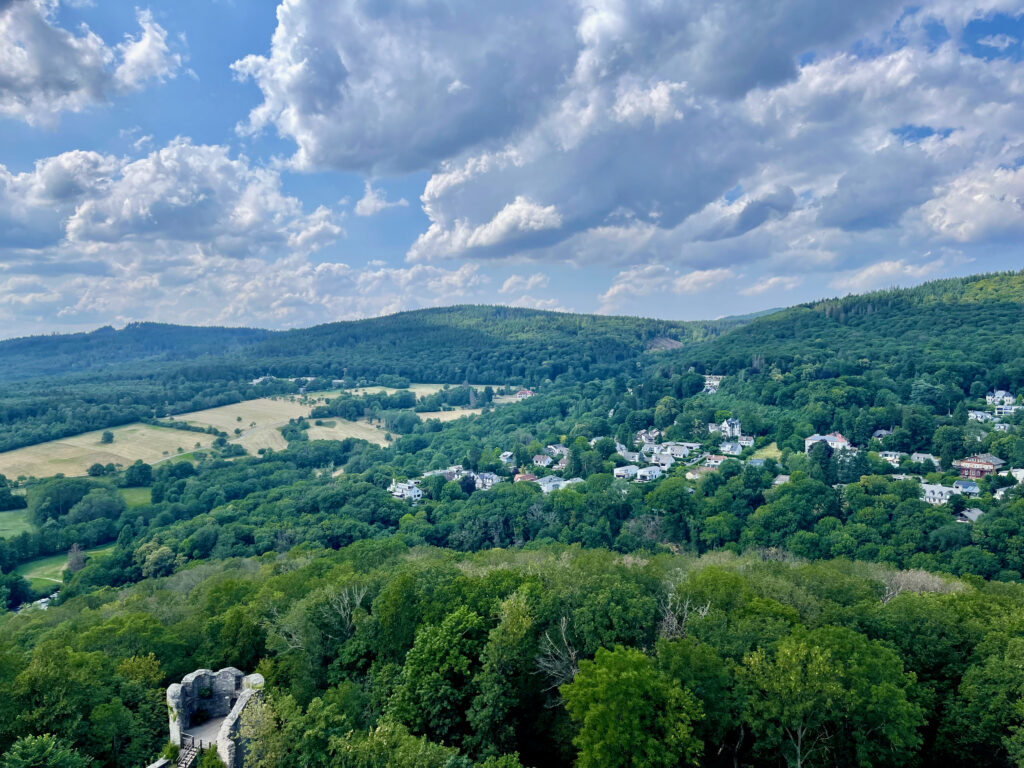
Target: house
x=556 y=450
x=967 y=487
x=1001 y=427
x=562 y=463
x=731 y=428
x=647 y=474
x=970 y=515
x=978 y=466
x=485 y=480
x=524 y=477
x=712 y=383
x=696 y=473
x=921 y=458
x=835 y=442
x=691 y=446
x=893 y=457
x=980 y=416
x=714 y=460
x=663 y=460
x=408 y=491
x=677 y=450
x=731 y=449
x=746 y=441
x=522 y=394
x=627 y=472
x=648 y=436
x=936 y=494
x=507 y=457
x=878 y=434
x=648 y=448
x=550 y=483
x=1000 y=397
x=631 y=456
x=755 y=463
x=780 y=480
x=542 y=460
x=1007 y=410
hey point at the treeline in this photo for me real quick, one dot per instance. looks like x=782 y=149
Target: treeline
x=541 y=657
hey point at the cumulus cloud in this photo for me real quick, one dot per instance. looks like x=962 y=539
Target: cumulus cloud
x=771 y=285
x=517 y=283
x=629 y=134
x=374 y=201
x=886 y=273
x=658 y=278
x=46 y=69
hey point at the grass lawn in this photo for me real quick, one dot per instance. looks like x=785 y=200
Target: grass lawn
x=46 y=572
x=137 y=497
x=14 y=522
x=768 y=452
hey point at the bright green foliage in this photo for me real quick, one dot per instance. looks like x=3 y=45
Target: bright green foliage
x=434 y=692
x=629 y=714
x=44 y=751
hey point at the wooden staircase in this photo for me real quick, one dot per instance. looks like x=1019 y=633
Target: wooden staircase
x=187 y=756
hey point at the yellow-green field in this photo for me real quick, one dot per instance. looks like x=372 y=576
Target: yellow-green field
x=14 y=522
x=74 y=455
x=47 y=572
x=137 y=497
x=449 y=415
x=259 y=421
x=768 y=452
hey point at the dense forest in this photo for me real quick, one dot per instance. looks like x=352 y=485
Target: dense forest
x=55 y=386
x=786 y=607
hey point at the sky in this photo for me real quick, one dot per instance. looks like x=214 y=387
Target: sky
x=230 y=162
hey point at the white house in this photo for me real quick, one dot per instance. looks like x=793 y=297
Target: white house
x=966 y=487
x=522 y=394
x=507 y=457
x=714 y=460
x=746 y=441
x=1000 y=427
x=731 y=449
x=921 y=458
x=542 y=460
x=647 y=474
x=677 y=450
x=633 y=456
x=551 y=483
x=1000 y=397
x=556 y=450
x=407 y=491
x=980 y=416
x=835 y=441
x=1007 y=410
x=663 y=460
x=627 y=472
x=937 y=494
x=485 y=480
x=893 y=457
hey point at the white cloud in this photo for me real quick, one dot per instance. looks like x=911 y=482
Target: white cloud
x=886 y=273
x=657 y=278
x=999 y=42
x=771 y=285
x=46 y=69
x=517 y=283
x=146 y=57
x=374 y=201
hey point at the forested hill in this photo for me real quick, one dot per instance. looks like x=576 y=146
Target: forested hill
x=62 y=354
x=56 y=386
x=963 y=328
x=478 y=343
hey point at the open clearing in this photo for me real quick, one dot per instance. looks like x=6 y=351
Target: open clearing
x=14 y=522
x=47 y=571
x=449 y=415
x=137 y=497
x=74 y=455
x=768 y=452
x=259 y=421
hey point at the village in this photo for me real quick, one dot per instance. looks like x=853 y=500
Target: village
x=651 y=458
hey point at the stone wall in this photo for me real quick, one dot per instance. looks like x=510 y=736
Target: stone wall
x=212 y=694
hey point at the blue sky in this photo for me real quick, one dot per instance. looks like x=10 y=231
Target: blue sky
x=280 y=165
